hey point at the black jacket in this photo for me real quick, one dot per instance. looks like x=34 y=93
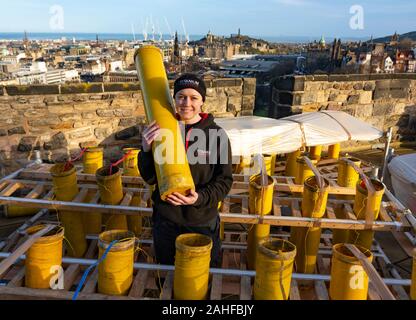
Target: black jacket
x=212 y=181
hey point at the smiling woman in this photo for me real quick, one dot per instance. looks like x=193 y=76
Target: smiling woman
x=196 y=212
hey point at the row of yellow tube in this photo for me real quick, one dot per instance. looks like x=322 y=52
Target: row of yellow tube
x=275 y=259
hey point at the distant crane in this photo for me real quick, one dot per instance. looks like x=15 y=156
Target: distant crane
x=184 y=31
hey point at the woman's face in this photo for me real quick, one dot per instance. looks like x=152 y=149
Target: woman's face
x=188 y=103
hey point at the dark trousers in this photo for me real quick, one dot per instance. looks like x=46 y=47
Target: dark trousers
x=166 y=231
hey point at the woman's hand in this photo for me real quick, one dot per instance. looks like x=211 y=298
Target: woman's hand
x=180 y=200
x=149 y=135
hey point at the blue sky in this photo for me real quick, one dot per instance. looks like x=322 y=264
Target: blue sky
x=262 y=17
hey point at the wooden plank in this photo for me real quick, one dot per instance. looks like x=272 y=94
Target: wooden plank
x=245 y=281
x=70 y=275
x=42 y=294
x=244 y=206
x=384 y=216
x=398 y=290
x=216 y=287
x=127 y=199
x=330 y=213
x=349 y=214
x=10 y=189
x=167 y=289
x=17 y=280
x=91 y=284
x=139 y=283
x=80 y=197
x=36 y=192
x=6 y=263
x=321 y=290
x=295 y=209
x=277 y=209
x=404 y=242
x=294 y=291
x=375 y=278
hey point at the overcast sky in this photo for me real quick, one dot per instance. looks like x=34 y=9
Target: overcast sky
x=331 y=18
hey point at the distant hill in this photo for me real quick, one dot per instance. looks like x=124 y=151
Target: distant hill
x=411 y=35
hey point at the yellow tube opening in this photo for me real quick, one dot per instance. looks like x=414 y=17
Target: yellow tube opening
x=274 y=266
x=362 y=198
x=115 y=273
x=349 y=281
x=43 y=258
x=65 y=187
x=192 y=259
x=111 y=192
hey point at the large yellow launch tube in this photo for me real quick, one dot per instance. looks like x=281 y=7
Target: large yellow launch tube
x=307 y=240
x=260 y=202
x=291 y=169
x=42 y=257
x=92 y=161
x=65 y=187
x=111 y=192
x=274 y=266
x=347 y=177
x=303 y=171
x=270 y=163
x=315 y=152
x=334 y=150
x=193 y=255
x=115 y=272
x=11 y=211
x=365 y=238
x=130 y=168
x=349 y=281
x=173 y=175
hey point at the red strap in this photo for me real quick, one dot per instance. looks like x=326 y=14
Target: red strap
x=115 y=164
x=70 y=161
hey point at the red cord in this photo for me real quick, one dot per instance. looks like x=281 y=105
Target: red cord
x=70 y=161
x=118 y=162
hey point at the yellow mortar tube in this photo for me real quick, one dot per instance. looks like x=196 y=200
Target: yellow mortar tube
x=307 y=239
x=303 y=171
x=291 y=169
x=334 y=150
x=413 y=285
x=270 y=163
x=365 y=238
x=11 y=211
x=66 y=188
x=274 y=266
x=115 y=273
x=347 y=177
x=192 y=259
x=111 y=192
x=315 y=152
x=130 y=168
x=159 y=106
x=130 y=163
x=92 y=161
x=349 y=281
x=246 y=163
x=42 y=257
x=260 y=202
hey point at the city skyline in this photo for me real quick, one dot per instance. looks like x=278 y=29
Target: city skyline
x=270 y=18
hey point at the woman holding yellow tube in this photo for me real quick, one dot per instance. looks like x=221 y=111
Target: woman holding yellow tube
x=209 y=156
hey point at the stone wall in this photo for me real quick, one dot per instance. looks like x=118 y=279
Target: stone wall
x=58 y=119
x=382 y=100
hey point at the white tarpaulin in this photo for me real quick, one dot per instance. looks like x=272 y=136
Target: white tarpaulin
x=251 y=135
x=403 y=178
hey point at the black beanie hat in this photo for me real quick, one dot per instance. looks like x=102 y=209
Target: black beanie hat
x=191 y=81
